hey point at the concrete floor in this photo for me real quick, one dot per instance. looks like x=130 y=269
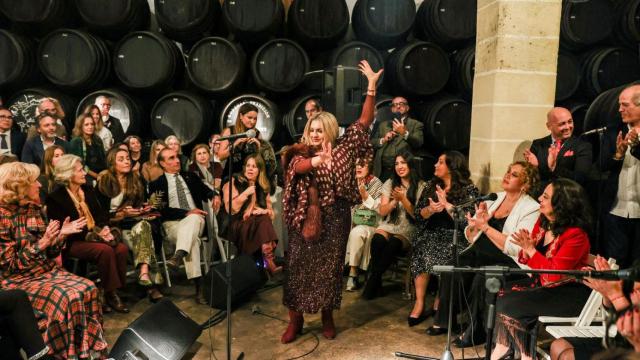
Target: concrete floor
x=366 y=329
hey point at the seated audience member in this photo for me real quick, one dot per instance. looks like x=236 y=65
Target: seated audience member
x=47 y=174
x=393 y=136
x=365 y=219
x=88 y=146
x=251 y=229
x=312 y=107
x=558 y=241
x=620 y=156
x=151 y=170
x=8 y=158
x=172 y=142
x=560 y=154
x=217 y=151
x=181 y=195
x=121 y=192
x=243 y=147
x=399 y=195
x=102 y=131
x=432 y=240
x=11 y=140
x=134 y=143
x=51 y=107
x=617 y=296
x=18 y=320
x=111 y=122
x=97 y=242
x=489 y=234
x=34 y=148
x=67 y=306
x=203 y=167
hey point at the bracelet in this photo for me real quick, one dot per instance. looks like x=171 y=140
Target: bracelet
x=617 y=298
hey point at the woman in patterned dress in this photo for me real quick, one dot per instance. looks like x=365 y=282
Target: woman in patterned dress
x=66 y=305
x=432 y=243
x=320 y=188
x=359 y=243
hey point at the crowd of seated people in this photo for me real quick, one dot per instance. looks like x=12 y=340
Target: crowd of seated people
x=106 y=196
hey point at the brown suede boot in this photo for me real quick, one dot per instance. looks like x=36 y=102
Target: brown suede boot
x=328 y=328
x=269 y=258
x=296 y=321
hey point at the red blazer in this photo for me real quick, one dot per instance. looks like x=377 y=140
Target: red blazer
x=569 y=251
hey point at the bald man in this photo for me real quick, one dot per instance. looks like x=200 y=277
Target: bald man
x=560 y=154
x=620 y=156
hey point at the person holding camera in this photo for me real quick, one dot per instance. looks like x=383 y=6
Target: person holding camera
x=393 y=136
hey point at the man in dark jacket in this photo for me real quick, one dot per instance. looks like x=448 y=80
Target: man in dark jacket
x=33 y=150
x=111 y=122
x=180 y=196
x=560 y=154
x=11 y=140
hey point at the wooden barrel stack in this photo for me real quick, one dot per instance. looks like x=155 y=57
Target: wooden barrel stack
x=206 y=58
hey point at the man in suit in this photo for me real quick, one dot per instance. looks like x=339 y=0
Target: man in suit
x=393 y=136
x=11 y=140
x=33 y=150
x=181 y=195
x=112 y=123
x=620 y=156
x=559 y=154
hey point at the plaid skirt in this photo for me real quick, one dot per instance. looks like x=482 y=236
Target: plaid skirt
x=68 y=311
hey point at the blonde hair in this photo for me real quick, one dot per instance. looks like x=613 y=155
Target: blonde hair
x=329 y=127
x=15 y=179
x=173 y=137
x=153 y=154
x=79 y=124
x=59 y=112
x=65 y=167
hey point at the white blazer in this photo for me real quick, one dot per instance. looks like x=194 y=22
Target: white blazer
x=524 y=215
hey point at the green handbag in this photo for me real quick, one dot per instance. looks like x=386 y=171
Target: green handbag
x=365 y=217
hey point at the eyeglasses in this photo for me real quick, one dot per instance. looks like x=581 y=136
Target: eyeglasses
x=8 y=117
x=399 y=104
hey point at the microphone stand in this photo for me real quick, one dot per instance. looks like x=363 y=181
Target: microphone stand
x=493 y=284
x=458 y=216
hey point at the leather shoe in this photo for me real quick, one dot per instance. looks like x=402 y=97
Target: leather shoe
x=154 y=295
x=435 y=331
x=174 y=262
x=116 y=303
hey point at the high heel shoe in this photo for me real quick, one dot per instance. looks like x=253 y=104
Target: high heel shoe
x=328 y=327
x=144 y=282
x=435 y=331
x=412 y=321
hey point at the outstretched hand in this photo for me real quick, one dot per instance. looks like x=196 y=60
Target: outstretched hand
x=367 y=71
x=325 y=154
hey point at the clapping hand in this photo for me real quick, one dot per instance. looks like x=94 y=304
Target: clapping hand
x=389 y=136
x=106 y=235
x=398 y=193
x=530 y=157
x=629 y=324
x=552 y=158
x=50 y=235
x=442 y=198
x=523 y=239
x=608 y=289
x=72 y=227
x=481 y=218
x=621 y=145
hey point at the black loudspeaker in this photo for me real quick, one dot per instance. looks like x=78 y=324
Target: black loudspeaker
x=246 y=278
x=163 y=332
x=343 y=90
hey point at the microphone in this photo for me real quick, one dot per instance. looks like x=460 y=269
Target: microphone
x=251 y=133
x=488 y=197
x=632 y=274
x=594 y=131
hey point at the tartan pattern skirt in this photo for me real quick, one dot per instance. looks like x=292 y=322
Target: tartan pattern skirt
x=68 y=311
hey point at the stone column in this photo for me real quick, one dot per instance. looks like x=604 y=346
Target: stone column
x=514 y=87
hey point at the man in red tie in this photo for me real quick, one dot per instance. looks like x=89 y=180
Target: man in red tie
x=560 y=154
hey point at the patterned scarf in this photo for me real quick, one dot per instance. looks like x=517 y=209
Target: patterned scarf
x=82 y=208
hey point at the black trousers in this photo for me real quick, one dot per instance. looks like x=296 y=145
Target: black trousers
x=19 y=326
x=470 y=286
x=383 y=253
x=622 y=236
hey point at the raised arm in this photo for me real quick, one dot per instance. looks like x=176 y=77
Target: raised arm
x=366 y=118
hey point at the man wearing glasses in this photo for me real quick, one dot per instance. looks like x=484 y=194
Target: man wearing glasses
x=111 y=122
x=400 y=133
x=11 y=140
